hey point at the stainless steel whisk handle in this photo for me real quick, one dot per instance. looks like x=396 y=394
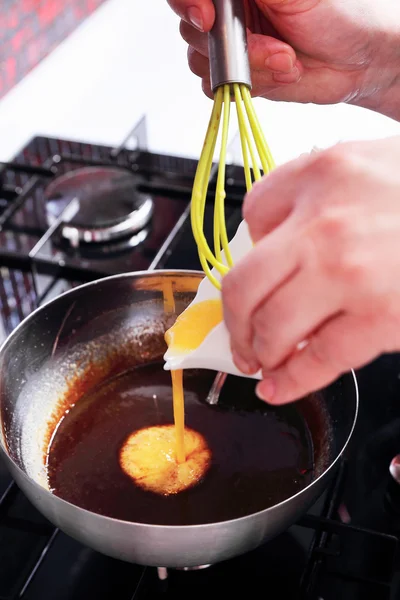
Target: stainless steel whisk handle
x=227 y=44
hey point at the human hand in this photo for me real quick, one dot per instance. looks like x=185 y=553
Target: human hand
x=320 y=51
x=325 y=269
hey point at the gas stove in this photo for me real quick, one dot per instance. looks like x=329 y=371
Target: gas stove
x=71 y=212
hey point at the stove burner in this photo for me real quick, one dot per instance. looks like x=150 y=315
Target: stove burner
x=110 y=206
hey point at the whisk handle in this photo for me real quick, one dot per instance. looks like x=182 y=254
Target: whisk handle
x=227 y=44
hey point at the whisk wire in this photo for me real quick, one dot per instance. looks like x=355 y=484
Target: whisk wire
x=220 y=235
x=243 y=141
x=200 y=188
x=203 y=259
x=252 y=149
x=265 y=153
x=207 y=174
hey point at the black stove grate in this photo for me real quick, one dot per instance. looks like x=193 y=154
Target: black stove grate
x=328 y=553
x=25 y=240
x=25 y=539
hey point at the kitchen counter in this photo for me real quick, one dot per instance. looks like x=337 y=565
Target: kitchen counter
x=121 y=63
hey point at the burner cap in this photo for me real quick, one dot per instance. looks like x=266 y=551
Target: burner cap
x=110 y=206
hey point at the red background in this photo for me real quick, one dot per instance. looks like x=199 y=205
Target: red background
x=31 y=29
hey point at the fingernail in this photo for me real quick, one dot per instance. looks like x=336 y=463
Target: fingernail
x=242 y=364
x=266 y=390
x=195 y=17
x=281 y=62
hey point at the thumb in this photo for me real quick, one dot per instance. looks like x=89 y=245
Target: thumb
x=269 y=53
x=198 y=13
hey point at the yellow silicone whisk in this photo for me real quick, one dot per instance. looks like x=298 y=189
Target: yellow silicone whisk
x=231 y=84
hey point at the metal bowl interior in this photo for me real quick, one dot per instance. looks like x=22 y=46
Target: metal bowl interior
x=89 y=334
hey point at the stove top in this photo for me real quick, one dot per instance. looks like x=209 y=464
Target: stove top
x=72 y=212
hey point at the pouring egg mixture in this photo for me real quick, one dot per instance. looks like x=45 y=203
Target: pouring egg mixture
x=169 y=459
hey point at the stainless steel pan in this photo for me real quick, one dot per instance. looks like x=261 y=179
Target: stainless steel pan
x=107 y=323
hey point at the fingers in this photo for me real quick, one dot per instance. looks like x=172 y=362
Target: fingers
x=271 y=60
x=206 y=86
x=271 y=199
x=266 y=53
x=199 y=13
x=346 y=342
x=250 y=282
x=318 y=85
x=290 y=315
x=268 y=84
x=197 y=40
x=277 y=72
x=198 y=64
